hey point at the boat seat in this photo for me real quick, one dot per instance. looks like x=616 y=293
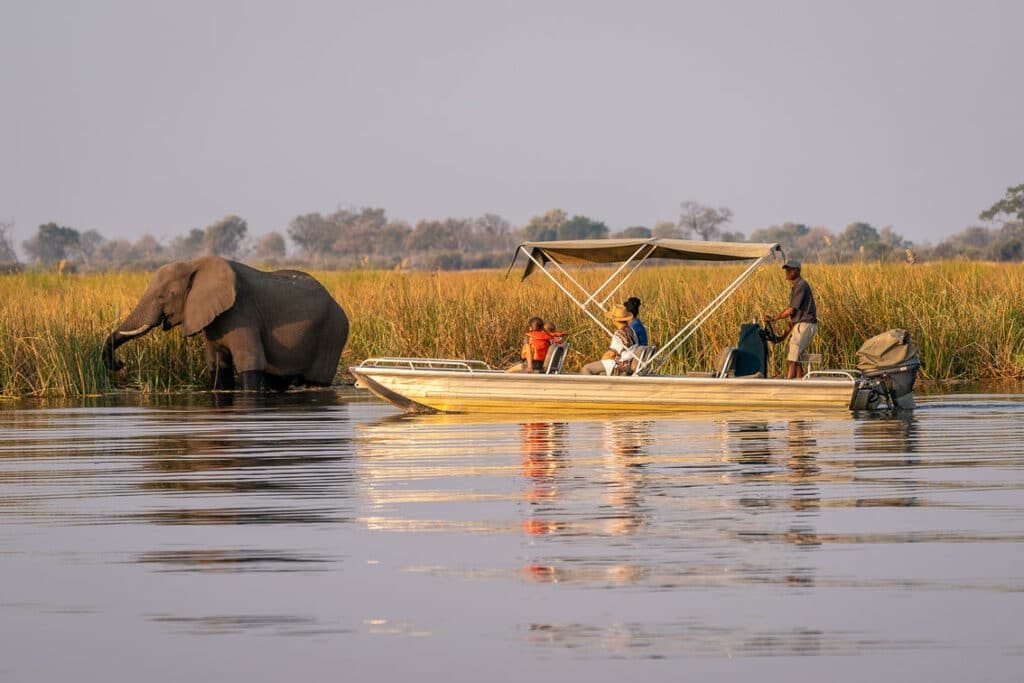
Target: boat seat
x=724 y=367
x=555 y=360
x=643 y=355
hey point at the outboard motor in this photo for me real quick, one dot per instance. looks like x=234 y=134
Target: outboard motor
x=889 y=362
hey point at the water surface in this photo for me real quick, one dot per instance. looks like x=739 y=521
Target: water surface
x=323 y=535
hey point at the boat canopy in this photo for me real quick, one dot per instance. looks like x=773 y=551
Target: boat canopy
x=631 y=253
x=625 y=250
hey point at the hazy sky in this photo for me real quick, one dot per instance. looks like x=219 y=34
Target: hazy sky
x=132 y=117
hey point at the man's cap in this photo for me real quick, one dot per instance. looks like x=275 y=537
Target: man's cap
x=791 y=263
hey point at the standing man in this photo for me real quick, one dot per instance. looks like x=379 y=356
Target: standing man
x=803 y=319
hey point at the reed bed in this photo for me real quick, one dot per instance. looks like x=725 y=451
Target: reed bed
x=966 y=317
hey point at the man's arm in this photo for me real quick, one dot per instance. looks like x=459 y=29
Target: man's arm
x=785 y=314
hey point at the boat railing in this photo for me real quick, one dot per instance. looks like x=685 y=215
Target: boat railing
x=825 y=374
x=427 y=364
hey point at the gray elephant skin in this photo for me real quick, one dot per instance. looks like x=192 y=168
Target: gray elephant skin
x=274 y=329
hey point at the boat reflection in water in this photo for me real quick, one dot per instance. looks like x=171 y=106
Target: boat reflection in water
x=545 y=453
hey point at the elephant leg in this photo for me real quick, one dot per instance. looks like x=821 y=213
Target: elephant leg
x=252 y=380
x=247 y=354
x=330 y=343
x=276 y=383
x=223 y=379
x=222 y=370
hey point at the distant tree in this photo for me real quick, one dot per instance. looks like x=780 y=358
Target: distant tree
x=893 y=240
x=787 y=235
x=736 y=236
x=1007 y=250
x=668 y=230
x=857 y=235
x=544 y=227
x=703 y=221
x=224 y=238
x=188 y=246
x=449 y=235
x=391 y=238
x=444 y=260
x=817 y=243
x=147 y=249
x=89 y=244
x=314 y=235
x=973 y=243
x=493 y=232
x=271 y=247
x=634 y=232
x=581 y=228
x=357 y=231
x=7 y=254
x=115 y=252
x=799 y=241
x=1011 y=205
x=52 y=243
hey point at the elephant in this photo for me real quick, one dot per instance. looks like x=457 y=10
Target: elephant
x=274 y=329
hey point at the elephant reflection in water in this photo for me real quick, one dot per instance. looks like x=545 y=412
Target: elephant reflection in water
x=209 y=472
x=274 y=329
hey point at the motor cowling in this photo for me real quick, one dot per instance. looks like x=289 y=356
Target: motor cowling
x=889 y=363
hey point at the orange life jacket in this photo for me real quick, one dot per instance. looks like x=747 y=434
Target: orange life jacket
x=539 y=341
x=558 y=337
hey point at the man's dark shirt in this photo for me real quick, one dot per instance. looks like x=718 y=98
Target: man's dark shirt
x=801 y=300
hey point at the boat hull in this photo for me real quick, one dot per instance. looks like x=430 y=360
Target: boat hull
x=426 y=390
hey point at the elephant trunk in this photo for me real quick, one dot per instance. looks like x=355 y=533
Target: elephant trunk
x=138 y=323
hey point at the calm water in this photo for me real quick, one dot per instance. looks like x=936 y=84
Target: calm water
x=323 y=536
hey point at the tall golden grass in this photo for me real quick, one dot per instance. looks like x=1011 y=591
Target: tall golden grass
x=967 y=318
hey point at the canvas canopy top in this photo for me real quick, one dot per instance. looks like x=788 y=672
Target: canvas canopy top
x=625 y=250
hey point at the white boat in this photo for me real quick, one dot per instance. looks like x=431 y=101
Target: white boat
x=457 y=385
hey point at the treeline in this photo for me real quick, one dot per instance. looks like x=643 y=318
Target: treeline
x=367 y=238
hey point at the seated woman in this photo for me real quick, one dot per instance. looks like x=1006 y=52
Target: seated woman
x=617 y=360
x=632 y=305
x=535 y=347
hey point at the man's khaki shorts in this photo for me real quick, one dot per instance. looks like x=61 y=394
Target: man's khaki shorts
x=799 y=339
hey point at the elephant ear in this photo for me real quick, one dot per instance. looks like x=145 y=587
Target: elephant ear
x=211 y=292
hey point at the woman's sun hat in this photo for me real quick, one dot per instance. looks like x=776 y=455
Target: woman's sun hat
x=619 y=314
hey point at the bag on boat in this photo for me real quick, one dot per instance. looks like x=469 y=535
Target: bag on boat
x=886 y=350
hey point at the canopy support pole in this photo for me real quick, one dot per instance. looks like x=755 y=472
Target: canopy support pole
x=591 y=298
x=572 y=297
x=632 y=270
x=695 y=324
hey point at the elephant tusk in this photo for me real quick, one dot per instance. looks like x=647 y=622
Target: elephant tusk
x=138 y=331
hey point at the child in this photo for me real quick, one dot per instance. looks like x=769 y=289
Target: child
x=535 y=347
x=556 y=337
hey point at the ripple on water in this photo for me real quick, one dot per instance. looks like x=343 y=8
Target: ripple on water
x=715 y=536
